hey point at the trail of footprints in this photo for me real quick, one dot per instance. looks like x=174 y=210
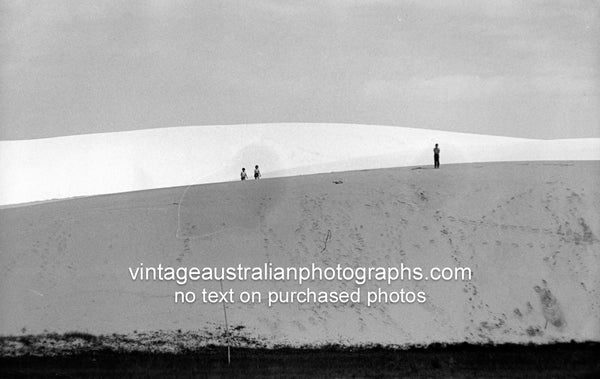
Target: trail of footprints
x=318 y=214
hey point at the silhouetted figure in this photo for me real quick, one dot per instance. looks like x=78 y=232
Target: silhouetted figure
x=256 y=173
x=243 y=174
x=436 y=156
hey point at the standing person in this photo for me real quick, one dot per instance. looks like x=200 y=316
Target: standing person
x=436 y=156
x=256 y=173
x=243 y=174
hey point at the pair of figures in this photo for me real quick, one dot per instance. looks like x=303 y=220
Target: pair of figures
x=244 y=176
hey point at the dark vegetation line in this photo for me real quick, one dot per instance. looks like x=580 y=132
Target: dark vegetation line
x=437 y=360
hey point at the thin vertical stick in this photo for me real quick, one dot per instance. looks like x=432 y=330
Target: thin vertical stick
x=226 y=329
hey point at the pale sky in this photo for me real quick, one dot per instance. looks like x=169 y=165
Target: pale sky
x=502 y=67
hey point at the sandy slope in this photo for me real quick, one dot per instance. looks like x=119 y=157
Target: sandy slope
x=91 y=164
x=529 y=231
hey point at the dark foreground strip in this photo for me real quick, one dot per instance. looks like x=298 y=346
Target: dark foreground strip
x=580 y=360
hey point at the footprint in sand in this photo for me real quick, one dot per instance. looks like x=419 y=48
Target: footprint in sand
x=550 y=308
x=299 y=325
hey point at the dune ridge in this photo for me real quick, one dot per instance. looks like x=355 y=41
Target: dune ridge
x=84 y=165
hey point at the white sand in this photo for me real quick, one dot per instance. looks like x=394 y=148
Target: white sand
x=156 y=158
x=529 y=231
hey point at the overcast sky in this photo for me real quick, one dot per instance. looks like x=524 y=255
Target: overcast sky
x=515 y=68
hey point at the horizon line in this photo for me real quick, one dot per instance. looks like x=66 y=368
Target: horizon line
x=288 y=123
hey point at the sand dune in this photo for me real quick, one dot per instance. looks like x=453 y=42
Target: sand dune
x=83 y=165
x=528 y=230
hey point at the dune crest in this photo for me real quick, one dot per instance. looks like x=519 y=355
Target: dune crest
x=92 y=164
